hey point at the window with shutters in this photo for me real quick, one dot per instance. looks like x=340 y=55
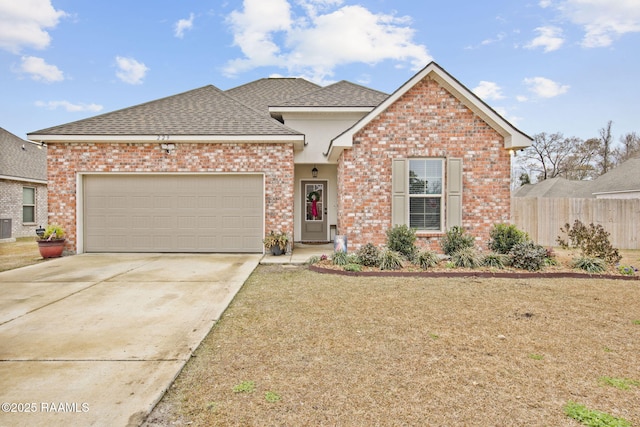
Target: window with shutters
x=427 y=193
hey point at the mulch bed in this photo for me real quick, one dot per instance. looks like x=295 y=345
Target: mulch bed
x=330 y=269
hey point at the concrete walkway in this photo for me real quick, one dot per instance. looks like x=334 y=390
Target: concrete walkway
x=300 y=255
x=95 y=340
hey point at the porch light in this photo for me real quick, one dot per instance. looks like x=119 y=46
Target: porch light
x=314 y=172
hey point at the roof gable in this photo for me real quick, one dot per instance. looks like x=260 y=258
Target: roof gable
x=513 y=138
x=21 y=160
x=199 y=113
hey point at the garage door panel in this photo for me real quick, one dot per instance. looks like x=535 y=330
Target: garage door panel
x=173 y=213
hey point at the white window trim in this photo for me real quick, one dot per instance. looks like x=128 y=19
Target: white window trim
x=440 y=196
x=34 y=205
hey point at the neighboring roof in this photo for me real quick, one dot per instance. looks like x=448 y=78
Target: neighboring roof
x=624 y=178
x=552 y=187
x=263 y=93
x=513 y=138
x=21 y=160
x=342 y=94
x=206 y=113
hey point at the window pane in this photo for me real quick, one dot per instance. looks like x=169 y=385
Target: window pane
x=28 y=196
x=425 y=176
x=424 y=213
x=28 y=214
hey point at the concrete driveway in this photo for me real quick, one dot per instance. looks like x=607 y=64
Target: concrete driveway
x=95 y=340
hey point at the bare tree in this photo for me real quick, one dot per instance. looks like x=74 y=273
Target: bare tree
x=606 y=149
x=580 y=164
x=630 y=148
x=550 y=156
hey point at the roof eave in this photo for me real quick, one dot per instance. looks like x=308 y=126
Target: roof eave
x=22 y=179
x=52 y=138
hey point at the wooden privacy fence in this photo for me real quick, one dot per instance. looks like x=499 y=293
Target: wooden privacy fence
x=543 y=217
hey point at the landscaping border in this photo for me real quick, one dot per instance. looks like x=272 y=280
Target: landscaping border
x=479 y=274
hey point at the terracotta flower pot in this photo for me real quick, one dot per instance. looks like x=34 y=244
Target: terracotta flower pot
x=51 y=248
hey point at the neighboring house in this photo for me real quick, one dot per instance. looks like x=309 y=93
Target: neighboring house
x=622 y=182
x=214 y=171
x=23 y=186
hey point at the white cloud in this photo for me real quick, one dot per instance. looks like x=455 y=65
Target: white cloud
x=68 y=106
x=131 y=71
x=182 y=25
x=545 y=88
x=521 y=98
x=24 y=23
x=545 y=3
x=549 y=38
x=40 y=70
x=603 y=20
x=322 y=38
x=488 y=91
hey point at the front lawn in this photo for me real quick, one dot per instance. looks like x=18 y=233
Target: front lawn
x=302 y=348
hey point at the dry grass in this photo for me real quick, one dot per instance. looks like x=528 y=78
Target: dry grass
x=22 y=252
x=345 y=351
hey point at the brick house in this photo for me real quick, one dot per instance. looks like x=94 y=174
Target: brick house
x=214 y=171
x=23 y=186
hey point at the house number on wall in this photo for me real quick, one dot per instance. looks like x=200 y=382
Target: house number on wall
x=163 y=137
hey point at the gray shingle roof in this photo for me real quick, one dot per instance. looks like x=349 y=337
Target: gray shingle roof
x=203 y=111
x=340 y=94
x=28 y=163
x=261 y=94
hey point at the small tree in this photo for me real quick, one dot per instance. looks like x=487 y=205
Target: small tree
x=592 y=240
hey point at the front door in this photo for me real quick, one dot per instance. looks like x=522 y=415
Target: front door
x=314 y=202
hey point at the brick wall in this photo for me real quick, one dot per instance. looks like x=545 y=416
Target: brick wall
x=11 y=206
x=427 y=121
x=274 y=160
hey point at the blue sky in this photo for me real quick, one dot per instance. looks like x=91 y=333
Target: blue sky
x=546 y=65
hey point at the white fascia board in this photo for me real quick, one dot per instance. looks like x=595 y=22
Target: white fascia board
x=18 y=179
x=616 y=192
x=203 y=139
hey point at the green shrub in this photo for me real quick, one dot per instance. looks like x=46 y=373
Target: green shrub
x=627 y=270
x=467 y=258
x=589 y=264
x=592 y=240
x=494 y=260
x=402 y=239
x=426 y=259
x=353 y=267
x=456 y=239
x=390 y=260
x=369 y=255
x=528 y=256
x=504 y=236
x=340 y=258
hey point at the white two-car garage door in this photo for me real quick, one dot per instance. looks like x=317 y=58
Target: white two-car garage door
x=173 y=213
